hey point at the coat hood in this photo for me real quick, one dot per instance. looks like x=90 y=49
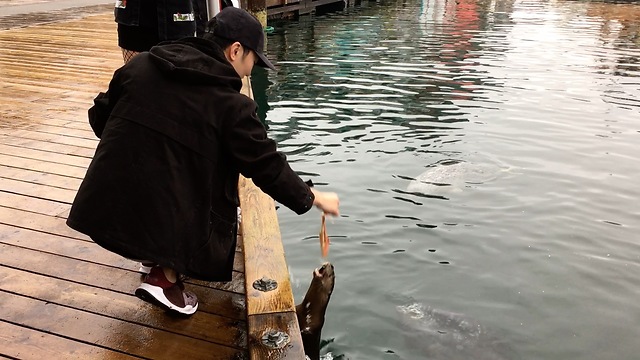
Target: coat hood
x=195 y=60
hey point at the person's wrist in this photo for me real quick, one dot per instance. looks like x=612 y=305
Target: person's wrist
x=316 y=196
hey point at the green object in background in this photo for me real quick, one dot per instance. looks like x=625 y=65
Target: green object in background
x=268 y=29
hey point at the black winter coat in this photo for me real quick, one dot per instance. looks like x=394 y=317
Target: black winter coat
x=174 y=135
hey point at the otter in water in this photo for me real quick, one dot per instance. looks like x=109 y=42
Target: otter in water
x=312 y=309
x=440 y=334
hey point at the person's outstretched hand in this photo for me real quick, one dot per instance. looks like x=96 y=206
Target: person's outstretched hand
x=328 y=202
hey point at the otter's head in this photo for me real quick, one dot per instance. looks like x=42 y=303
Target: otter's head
x=324 y=277
x=320 y=289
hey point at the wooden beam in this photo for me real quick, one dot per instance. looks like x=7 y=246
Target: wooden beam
x=264 y=256
x=264 y=253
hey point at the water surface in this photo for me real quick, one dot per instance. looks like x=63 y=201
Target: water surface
x=485 y=153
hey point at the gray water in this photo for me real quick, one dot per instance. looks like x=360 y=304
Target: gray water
x=486 y=155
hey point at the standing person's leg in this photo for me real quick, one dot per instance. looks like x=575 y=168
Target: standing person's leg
x=128 y=54
x=136 y=39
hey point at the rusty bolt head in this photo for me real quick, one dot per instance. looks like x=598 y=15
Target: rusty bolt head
x=265 y=284
x=275 y=339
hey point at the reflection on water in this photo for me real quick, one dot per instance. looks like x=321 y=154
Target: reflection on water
x=485 y=154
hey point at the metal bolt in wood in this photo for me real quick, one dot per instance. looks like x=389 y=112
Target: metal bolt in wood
x=275 y=339
x=265 y=284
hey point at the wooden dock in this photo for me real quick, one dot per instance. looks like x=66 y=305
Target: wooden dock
x=61 y=295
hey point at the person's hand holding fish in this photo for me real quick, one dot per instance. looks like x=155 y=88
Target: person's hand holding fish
x=329 y=203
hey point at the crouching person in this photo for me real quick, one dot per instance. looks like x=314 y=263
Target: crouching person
x=175 y=133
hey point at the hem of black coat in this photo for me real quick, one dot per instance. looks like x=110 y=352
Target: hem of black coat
x=105 y=243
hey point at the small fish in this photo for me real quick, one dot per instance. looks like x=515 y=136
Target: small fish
x=324 y=239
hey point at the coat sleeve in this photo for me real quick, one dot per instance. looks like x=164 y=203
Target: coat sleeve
x=256 y=157
x=103 y=104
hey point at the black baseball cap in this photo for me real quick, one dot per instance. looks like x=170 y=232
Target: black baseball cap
x=238 y=25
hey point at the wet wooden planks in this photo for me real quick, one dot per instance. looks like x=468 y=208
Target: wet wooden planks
x=44 y=11
x=62 y=295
